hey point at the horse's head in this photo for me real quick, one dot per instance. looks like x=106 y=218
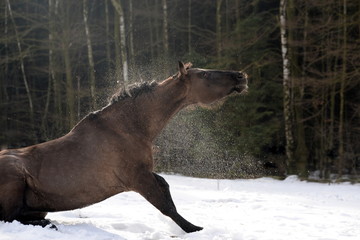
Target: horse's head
x=207 y=86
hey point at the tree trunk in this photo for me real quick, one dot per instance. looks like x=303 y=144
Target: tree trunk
x=22 y=67
x=54 y=61
x=218 y=30
x=70 y=103
x=69 y=86
x=120 y=12
x=3 y=76
x=107 y=33
x=78 y=99
x=131 y=36
x=286 y=89
x=301 y=152
x=151 y=31
x=342 y=92
x=51 y=73
x=51 y=76
x=90 y=55
x=238 y=24
x=157 y=30
x=227 y=16
x=117 y=56
x=189 y=28
x=165 y=29
x=333 y=65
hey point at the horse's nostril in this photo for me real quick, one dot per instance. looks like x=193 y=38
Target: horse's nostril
x=241 y=77
x=244 y=76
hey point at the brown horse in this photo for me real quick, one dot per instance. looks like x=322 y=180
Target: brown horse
x=108 y=152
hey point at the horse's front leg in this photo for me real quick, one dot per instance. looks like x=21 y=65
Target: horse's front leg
x=156 y=190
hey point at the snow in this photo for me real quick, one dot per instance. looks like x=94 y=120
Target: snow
x=227 y=209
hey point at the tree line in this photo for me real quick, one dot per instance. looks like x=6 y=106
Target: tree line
x=62 y=59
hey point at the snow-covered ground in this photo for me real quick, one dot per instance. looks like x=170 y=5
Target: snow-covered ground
x=257 y=209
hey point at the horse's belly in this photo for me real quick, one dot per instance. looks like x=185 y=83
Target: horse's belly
x=58 y=188
x=52 y=201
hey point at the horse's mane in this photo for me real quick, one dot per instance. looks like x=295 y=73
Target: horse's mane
x=133 y=91
x=137 y=89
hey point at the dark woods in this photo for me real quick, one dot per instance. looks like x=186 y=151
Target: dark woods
x=61 y=59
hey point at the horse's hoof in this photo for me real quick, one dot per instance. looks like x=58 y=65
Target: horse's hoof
x=193 y=228
x=42 y=223
x=196 y=229
x=52 y=226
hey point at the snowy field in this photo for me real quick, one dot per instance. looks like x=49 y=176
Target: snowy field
x=227 y=209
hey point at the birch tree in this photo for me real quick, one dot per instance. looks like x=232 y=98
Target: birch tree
x=121 y=26
x=287 y=102
x=165 y=29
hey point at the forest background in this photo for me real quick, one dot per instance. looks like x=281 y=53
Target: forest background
x=61 y=59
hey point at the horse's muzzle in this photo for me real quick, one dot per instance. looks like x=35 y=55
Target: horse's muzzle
x=242 y=86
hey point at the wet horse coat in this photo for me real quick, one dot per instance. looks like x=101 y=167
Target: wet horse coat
x=108 y=152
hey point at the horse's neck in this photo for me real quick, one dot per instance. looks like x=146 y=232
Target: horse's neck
x=168 y=99
x=148 y=114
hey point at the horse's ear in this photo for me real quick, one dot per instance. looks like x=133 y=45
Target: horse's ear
x=182 y=68
x=188 y=65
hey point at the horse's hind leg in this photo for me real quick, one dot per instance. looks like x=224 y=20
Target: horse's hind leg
x=12 y=207
x=12 y=195
x=35 y=218
x=12 y=188
x=156 y=190
x=11 y=200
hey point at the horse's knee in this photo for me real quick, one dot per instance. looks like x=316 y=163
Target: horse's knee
x=156 y=190
x=161 y=181
x=167 y=207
